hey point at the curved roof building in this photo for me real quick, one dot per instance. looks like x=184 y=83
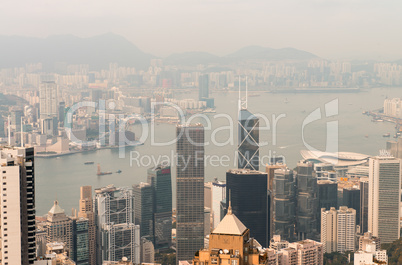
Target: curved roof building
x=340 y=159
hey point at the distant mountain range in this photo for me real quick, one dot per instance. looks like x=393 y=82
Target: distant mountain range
x=99 y=51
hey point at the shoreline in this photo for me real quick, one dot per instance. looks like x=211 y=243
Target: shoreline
x=83 y=151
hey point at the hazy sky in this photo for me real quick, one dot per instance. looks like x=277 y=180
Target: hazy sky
x=353 y=29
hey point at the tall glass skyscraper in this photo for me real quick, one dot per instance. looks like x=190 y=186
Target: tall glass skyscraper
x=143 y=209
x=248 y=192
x=190 y=191
x=248 y=142
x=307 y=202
x=203 y=87
x=364 y=197
x=284 y=186
x=161 y=181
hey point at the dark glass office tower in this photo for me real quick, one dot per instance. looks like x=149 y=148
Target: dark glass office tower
x=250 y=201
x=143 y=209
x=161 y=181
x=307 y=202
x=351 y=198
x=284 y=204
x=248 y=142
x=364 y=195
x=190 y=191
x=327 y=197
x=327 y=194
x=80 y=251
x=203 y=87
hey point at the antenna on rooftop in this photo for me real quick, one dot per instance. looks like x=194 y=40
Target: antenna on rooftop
x=230 y=204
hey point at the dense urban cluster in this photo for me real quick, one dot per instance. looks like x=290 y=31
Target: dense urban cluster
x=257 y=214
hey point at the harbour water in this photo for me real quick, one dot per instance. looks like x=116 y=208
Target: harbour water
x=60 y=178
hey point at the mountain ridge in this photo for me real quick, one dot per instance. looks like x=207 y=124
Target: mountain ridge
x=100 y=50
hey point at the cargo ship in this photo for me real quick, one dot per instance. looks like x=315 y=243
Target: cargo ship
x=100 y=173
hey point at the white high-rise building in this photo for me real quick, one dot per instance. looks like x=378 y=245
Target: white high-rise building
x=338 y=228
x=48 y=99
x=17 y=202
x=384 y=198
x=218 y=194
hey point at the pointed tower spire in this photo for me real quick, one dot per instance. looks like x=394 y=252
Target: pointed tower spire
x=230 y=204
x=239 y=103
x=246 y=92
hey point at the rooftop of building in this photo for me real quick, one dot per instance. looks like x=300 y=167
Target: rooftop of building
x=245 y=171
x=325 y=181
x=56 y=209
x=141 y=185
x=230 y=224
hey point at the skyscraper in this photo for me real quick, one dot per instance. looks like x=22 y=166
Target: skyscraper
x=161 y=182
x=218 y=194
x=327 y=196
x=80 y=248
x=351 y=199
x=203 y=87
x=307 y=202
x=248 y=142
x=190 y=190
x=284 y=186
x=384 y=198
x=16 y=114
x=59 y=227
x=251 y=201
x=364 y=196
x=48 y=99
x=18 y=206
x=143 y=209
x=117 y=236
x=86 y=210
x=338 y=228
x=248 y=136
x=119 y=241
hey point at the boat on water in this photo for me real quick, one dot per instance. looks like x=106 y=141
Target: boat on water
x=286 y=101
x=118 y=171
x=366 y=136
x=89 y=163
x=386 y=135
x=100 y=173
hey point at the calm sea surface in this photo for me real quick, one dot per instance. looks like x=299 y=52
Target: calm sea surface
x=61 y=178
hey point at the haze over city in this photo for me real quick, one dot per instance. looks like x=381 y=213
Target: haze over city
x=332 y=29
x=200 y=132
